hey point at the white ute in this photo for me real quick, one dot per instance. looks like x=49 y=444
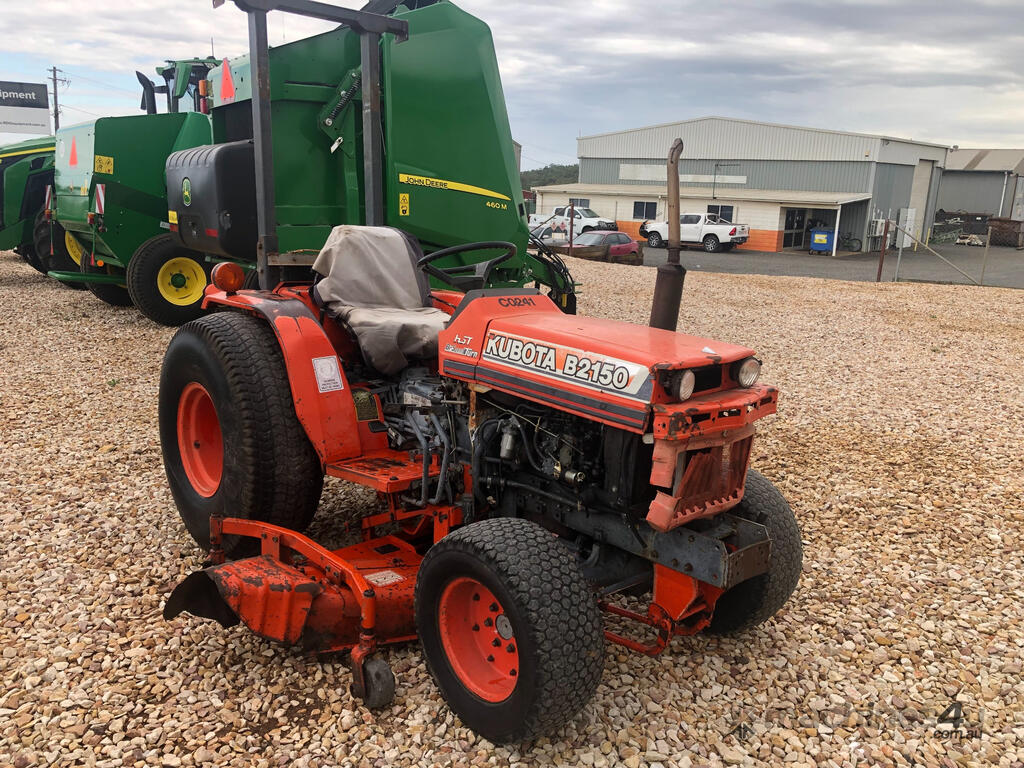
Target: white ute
x=708 y=229
x=584 y=220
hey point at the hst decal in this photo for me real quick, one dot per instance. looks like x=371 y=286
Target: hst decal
x=607 y=374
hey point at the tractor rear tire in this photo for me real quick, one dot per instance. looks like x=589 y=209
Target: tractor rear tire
x=155 y=269
x=511 y=631
x=60 y=260
x=109 y=293
x=756 y=600
x=232 y=443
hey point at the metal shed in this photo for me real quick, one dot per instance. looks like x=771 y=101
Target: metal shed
x=985 y=181
x=776 y=178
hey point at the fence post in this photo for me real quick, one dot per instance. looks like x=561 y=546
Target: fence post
x=881 y=255
x=984 y=259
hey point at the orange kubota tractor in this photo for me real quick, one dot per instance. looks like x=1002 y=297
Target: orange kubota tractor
x=532 y=465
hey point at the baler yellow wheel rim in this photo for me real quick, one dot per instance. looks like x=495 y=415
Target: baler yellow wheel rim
x=75 y=250
x=181 y=281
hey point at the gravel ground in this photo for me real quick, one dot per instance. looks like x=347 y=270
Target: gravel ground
x=897 y=442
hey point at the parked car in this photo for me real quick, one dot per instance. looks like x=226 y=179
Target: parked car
x=584 y=220
x=604 y=246
x=708 y=229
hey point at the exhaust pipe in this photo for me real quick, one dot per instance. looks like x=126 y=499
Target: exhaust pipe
x=668 y=289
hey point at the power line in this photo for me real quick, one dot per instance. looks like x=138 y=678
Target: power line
x=79 y=109
x=99 y=82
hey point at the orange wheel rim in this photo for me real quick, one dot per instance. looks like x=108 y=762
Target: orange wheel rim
x=478 y=639
x=199 y=439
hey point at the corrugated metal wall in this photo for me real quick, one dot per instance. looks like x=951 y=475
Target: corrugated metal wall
x=723 y=138
x=972 y=191
x=761 y=174
x=855 y=219
x=892 y=188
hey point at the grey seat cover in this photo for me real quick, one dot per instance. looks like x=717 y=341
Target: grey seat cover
x=371 y=282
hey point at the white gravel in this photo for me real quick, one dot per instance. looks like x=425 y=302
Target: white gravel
x=898 y=442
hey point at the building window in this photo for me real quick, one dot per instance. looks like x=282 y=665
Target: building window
x=580 y=202
x=642 y=210
x=724 y=212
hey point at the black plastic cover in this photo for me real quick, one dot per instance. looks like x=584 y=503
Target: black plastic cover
x=211 y=191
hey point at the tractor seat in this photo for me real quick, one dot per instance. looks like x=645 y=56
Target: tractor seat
x=372 y=285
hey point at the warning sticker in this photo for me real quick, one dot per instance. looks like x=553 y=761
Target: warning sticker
x=103 y=164
x=328 y=374
x=383 y=578
x=403 y=204
x=172 y=217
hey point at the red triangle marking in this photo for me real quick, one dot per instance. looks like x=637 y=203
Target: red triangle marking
x=73 y=157
x=227 y=85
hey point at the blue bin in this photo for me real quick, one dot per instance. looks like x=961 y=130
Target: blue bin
x=821 y=240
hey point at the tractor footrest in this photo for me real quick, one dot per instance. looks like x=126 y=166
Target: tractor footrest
x=387 y=471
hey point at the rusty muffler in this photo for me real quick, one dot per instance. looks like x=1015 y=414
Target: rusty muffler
x=668 y=288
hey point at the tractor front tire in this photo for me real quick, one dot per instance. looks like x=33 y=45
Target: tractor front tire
x=60 y=260
x=511 y=631
x=231 y=441
x=166 y=281
x=757 y=599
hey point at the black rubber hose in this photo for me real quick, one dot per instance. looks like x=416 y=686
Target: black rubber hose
x=447 y=444
x=425 y=447
x=481 y=440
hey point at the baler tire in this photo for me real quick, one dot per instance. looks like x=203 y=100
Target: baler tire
x=143 y=281
x=32 y=258
x=114 y=295
x=757 y=599
x=60 y=260
x=553 y=624
x=252 y=281
x=270 y=471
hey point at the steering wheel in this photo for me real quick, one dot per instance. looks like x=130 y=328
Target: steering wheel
x=471 y=276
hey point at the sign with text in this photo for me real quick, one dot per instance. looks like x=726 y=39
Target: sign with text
x=24 y=108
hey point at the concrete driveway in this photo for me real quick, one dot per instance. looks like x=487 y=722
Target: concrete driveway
x=1005 y=267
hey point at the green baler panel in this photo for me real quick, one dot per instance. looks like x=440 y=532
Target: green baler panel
x=19 y=165
x=128 y=155
x=444 y=119
x=448 y=141
x=311 y=192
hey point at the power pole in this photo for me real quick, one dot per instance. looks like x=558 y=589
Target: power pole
x=56 y=108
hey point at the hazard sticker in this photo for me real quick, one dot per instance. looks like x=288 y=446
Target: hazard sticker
x=172 y=217
x=384 y=578
x=103 y=164
x=403 y=204
x=328 y=374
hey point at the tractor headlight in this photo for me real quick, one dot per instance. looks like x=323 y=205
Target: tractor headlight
x=685 y=381
x=745 y=372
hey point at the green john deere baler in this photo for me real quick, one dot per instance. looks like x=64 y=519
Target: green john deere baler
x=110 y=221
x=26 y=170
x=421 y=142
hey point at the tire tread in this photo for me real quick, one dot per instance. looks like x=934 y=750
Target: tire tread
x=559 y=605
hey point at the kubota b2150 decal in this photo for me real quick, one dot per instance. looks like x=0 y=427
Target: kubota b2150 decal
x=608 y=374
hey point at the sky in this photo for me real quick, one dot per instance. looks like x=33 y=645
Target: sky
x=947 y=72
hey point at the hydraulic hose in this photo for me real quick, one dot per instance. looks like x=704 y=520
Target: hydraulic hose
x=425 y=447
x=447 y=444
